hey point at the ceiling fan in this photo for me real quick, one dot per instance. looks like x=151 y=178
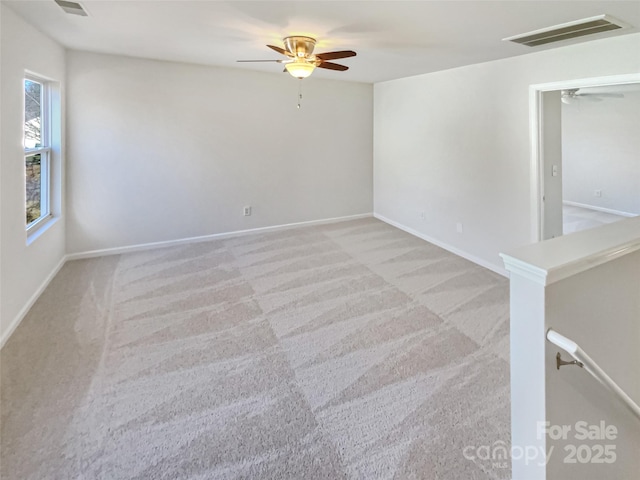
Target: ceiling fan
x=301 y=61
x=571 y=95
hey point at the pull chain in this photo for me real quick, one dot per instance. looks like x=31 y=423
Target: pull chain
x=299 y=93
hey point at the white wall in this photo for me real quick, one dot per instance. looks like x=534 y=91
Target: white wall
x=601 y=151
x=159 y=151
x=24 y=269
x=455 y=144
x=551 y=131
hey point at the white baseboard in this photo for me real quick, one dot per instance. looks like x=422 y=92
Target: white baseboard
x=23 y=312
x=454 y=250
x=205 y=238
x=599 y=209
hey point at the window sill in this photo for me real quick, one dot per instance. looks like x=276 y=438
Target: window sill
x=38 y=229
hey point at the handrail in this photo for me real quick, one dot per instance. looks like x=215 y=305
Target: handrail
x=585 y=361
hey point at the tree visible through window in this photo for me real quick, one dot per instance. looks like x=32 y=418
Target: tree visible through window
x=37 y=151
x=33 y=167
x=32 y=114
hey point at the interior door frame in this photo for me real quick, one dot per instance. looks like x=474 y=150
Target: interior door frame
x=536 y=138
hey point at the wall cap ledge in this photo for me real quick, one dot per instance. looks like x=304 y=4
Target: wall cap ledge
x=562 y=257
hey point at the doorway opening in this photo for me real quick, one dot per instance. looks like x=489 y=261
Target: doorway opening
x=589 y=188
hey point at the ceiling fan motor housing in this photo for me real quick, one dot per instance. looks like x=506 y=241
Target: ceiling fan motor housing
x=300 y=46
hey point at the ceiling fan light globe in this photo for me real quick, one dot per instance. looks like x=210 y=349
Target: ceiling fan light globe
x=300 y=69
x=569 y=96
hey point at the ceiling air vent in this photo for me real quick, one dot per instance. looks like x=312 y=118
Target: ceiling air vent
x=566 y=31
x=71 y=7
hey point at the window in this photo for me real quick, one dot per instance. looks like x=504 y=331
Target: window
x=37 y=152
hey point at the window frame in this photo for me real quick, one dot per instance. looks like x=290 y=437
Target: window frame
x=44 y=151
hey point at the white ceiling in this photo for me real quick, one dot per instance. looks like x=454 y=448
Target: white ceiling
x=393 y=39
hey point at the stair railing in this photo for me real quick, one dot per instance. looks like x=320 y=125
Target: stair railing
x=581 y=359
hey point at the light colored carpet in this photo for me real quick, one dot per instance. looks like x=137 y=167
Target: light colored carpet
x=576 y=219
x=344 y=351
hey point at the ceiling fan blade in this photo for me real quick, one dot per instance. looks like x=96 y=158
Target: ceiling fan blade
x=281 y=51
x=253 y=61
x=336 y=55
x=333 y=66
x=611 y=95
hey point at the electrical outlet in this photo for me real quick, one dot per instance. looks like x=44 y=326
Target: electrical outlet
x=423 y=216
x=598 y=193
x=246 y=211
x=459 y=227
